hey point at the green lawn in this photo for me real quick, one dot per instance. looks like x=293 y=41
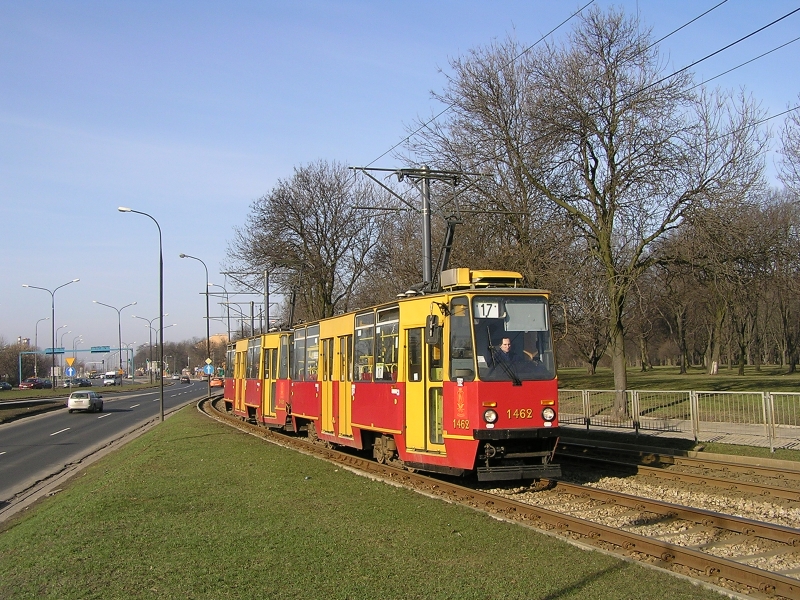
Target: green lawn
x=769 y=378
x=194 y=509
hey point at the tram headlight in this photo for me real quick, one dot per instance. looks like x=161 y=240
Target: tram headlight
x=548 y=414
x=490 y=416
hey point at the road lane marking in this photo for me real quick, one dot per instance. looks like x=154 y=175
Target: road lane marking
x=135 y=405
x=104 y=416
x=62 y=431
x=3 y=452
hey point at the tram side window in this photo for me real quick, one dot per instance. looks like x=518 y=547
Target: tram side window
x=312 y=352
x=435 y=361
x=299 y=363
x=346 y=358
x=414 y=355
x=364 y=347
x=229 y=359
x=253 y=357
x=462 y=362
x=387 y=342
x=283 y=370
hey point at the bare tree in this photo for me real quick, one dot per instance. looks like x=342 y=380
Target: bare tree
x=595 y=128
x=310 y=233
x=790 y=149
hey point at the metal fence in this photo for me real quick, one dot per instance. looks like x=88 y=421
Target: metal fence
x=752 y=418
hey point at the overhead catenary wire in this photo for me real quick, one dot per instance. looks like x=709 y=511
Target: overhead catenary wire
x=528 y=49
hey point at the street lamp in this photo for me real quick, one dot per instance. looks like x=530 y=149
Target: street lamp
x=129 y=366
x=119 y=325
x=227 y=304
x=150 y=326
x=52 y=314
x=208 y=321
x=36 y=343
x=61 y=345
x=160 y=296
x=78 y=339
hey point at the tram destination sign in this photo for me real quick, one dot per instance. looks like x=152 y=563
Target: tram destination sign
x=101 y=349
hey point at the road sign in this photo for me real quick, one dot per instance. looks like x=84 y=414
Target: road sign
x=99 y=349
x=70 y=371
x=208 y=369
x=52 y=351
x=70 y=360
x=208 y=361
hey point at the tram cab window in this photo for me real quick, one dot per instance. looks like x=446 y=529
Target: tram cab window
x=524 y=322
x=462 y=362
x=387 y=344
x=364 y=347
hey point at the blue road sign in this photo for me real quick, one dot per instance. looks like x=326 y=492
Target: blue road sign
x=208 y=369
x=70 y=371
x=101 y=348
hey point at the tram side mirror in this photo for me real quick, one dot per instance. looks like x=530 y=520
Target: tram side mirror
x=433 y=331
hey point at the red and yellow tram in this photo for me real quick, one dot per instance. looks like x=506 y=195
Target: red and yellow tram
x=457 y=381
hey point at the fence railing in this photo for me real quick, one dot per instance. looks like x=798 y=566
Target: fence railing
x=770 y=417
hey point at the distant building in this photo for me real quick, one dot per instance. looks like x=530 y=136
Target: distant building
x=23 y=341
x=219 y=338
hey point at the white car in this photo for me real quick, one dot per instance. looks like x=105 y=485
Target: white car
x=85 y=400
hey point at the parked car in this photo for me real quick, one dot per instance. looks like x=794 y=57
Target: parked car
x=185 y=379
x=217 y=382
x=47 y=384
x=31 y=383
x=4 y=385
x=176 y=376
x=86 y=400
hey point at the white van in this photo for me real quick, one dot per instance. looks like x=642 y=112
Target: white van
x=112 y=378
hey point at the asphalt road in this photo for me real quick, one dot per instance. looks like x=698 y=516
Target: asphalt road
x=37 y=449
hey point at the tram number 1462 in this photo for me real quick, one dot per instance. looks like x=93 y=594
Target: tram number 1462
x=520 y=413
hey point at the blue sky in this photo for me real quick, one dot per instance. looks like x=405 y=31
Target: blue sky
x=189 y=111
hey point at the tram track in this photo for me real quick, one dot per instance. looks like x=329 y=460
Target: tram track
x=778 y=472
x=699 y=560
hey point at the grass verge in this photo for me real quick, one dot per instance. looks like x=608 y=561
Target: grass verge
x=193 y=509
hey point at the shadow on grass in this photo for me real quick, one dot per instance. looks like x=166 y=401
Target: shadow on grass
x=570 y=590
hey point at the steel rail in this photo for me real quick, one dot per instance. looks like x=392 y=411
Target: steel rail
x=732 y=485
x=709 y=568
x=707 y=518
x=785 y=470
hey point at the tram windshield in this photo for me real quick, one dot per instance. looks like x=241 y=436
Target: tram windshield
x=512 y=338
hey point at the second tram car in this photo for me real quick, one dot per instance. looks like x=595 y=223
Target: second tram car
x=454 y=382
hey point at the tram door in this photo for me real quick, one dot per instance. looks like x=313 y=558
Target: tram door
x=424 y=424
x=239 y=374
x=327 y=382
x=270 y=358
x=344 y=376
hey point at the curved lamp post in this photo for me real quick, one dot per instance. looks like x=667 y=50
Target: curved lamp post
x=125 y=209
x=152 y=329
x=36 y=343
x=52 y=314
x=208 y=321
x=119 y=325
